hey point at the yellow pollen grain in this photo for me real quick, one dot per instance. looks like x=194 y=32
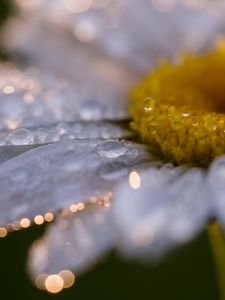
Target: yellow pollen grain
x=179 y=110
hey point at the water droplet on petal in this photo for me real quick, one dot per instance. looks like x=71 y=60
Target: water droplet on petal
x=111 y=149
x=21 y=137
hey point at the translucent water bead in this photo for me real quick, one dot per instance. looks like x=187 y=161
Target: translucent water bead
x=179 y=109
x=64 y=131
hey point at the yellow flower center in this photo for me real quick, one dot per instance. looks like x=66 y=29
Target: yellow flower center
x=180 y=109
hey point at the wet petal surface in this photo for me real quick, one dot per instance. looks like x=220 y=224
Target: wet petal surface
x=168 y=208
x=216 y=181
x=31 y=98
x=73 y=242
x=52 y=177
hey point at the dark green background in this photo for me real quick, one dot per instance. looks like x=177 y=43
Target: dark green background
x=186 y=274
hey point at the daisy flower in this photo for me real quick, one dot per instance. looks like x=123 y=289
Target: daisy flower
x=68 y=156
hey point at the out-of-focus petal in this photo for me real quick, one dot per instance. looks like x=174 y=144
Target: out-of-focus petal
x=133 y=32
x=216 y=181
x=73 y=243
x=167 y=209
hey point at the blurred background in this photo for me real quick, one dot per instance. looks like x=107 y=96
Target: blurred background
x=186 y=274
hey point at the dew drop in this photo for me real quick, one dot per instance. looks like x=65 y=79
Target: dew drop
x=63 y=128
x=149 y=104
x=21 y=137
x=40 y=135
x=111 y=149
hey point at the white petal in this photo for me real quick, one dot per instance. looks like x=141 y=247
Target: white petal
x=52 y=177
x=31 y=98
x=134 y=32
x=73 y=242
x=216 y=181
x=168 y=209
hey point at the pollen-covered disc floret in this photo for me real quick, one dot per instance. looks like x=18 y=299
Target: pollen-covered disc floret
x=180 y=109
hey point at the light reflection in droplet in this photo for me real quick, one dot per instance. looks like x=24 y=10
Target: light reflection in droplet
x=73 y=208
x=8 y=89
x=48 y=217
x=3 y=232
x=68 y=278
x=80 y=206
x=25 y=223
x=54 y=284
x=134 y=180
x=39 y=220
